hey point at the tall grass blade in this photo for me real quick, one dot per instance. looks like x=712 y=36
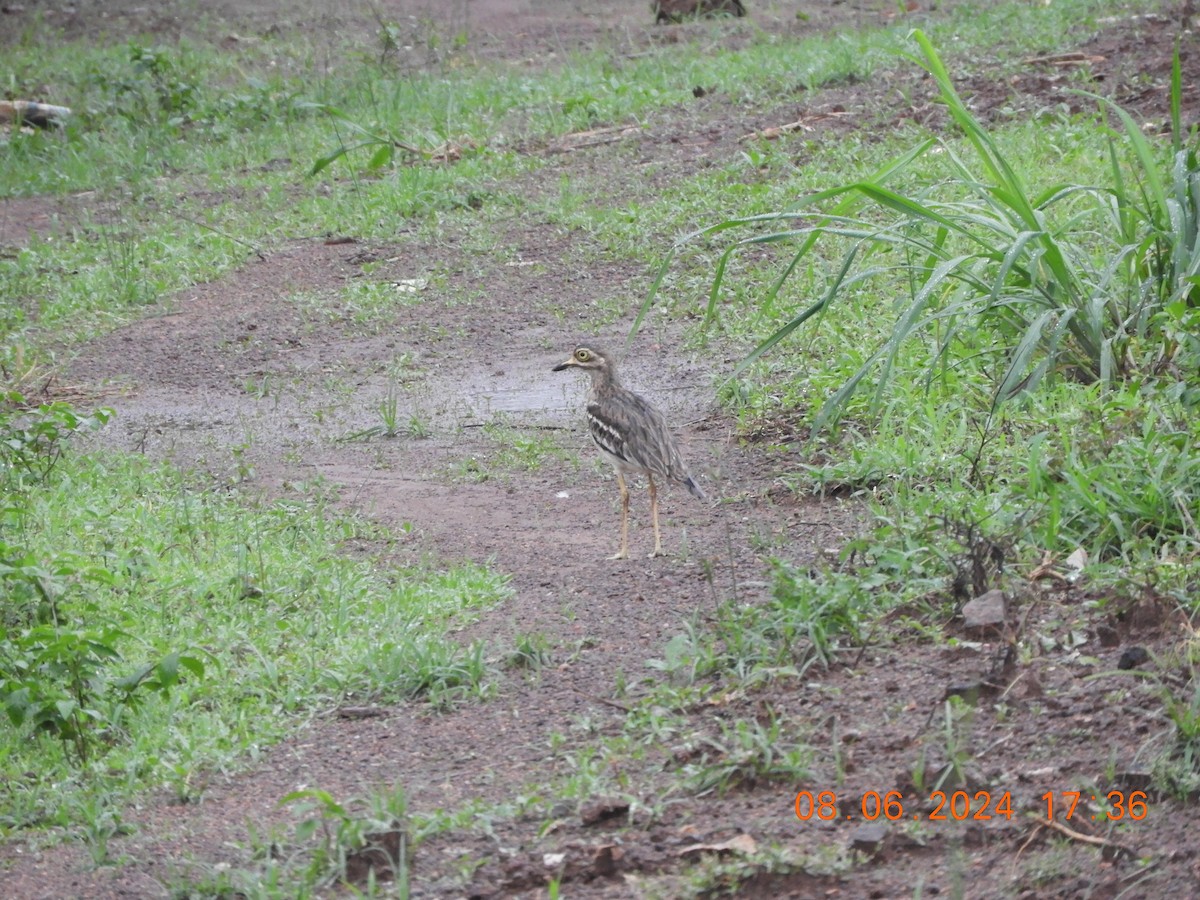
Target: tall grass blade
x=844 y=208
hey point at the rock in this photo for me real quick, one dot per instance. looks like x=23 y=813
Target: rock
x=602 y=810
x=1132 y=658
x=986 y=613
x=606 y=859
x=870 y=838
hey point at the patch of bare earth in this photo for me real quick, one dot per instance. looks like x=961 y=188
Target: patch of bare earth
x=228 y=376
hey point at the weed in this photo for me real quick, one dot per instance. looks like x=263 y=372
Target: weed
x=470 y=469
x=421 y=666
x=99 y=661
x=746 y=753
x=522 y=450
x=1176 y=769
x=60 y=680
x=32 y=441
x=1012 y=267
x=388 y=411
x=101 y=823
x=957 y=720
x=531 y=651
x=390 y=416
x=355 y=849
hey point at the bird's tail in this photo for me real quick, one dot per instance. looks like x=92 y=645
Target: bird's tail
x=693 y=488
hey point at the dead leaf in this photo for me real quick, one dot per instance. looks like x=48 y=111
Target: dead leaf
x=606 y=859
x=742 y=843
x=1075 y=563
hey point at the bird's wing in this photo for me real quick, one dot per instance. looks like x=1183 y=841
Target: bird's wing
x=608 y=433
x=637 y=434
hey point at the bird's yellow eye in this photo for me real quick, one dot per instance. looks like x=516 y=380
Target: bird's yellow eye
x=582 y=355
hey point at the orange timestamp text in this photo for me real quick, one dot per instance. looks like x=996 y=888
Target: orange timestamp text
x=960 y=806
x=1133 y=805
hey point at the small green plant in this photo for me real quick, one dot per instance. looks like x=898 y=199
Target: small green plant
x=688 y=656
x=470 y=469
x=390 y=425
x=32 y=440
x=424 y=666
x=520 y=449
x=746 y=753
x=957 y=720
x=150 y=84
x=60 y=680
x=101 y=823
x=384 y=145
x=354 y=848
x=1176 y=769
x=259 y=388
x=1123 y=478
x=419 y=427
x=815 y=618
x=531 y=651
x=389 y=411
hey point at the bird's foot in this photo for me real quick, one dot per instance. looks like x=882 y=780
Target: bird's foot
x=623 y=553
x=658 y=551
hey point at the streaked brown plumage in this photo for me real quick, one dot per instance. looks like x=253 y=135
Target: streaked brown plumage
x=631 y=434
x=678 y=10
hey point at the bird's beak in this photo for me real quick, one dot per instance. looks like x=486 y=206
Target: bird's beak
x=565 y=365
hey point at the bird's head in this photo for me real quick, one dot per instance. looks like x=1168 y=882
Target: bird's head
x=584 y=357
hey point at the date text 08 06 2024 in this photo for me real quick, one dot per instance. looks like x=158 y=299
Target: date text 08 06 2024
x=958 y=806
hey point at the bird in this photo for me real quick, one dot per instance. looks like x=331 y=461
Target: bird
x=631 y=435
x=678 y=10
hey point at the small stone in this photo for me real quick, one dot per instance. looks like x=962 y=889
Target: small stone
x=869 y=838
x=602 y=811
x=986 y=612
x=1132 y=658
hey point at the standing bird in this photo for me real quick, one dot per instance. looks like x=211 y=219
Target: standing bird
x=631 y=434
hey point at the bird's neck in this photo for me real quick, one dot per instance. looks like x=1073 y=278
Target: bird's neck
x=604 y=381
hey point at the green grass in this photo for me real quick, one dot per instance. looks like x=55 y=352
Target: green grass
x=280 y=624
x=215 y=148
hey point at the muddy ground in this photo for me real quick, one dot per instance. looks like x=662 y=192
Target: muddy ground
x=183 y=383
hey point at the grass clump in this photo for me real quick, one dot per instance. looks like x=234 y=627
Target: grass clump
x=1036 y=376
x=1084 y=282
x=156 y=629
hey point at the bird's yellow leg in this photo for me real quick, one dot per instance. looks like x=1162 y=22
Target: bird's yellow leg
x=658 y=550
x=623 y=553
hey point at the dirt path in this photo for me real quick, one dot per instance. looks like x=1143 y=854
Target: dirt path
x=179 y=381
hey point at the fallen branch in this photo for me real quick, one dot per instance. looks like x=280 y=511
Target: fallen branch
x=1112 y=848
x=361 y=712
x=593 y=138
x=778 y=131
x=1062 y=59
x=26 y=112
